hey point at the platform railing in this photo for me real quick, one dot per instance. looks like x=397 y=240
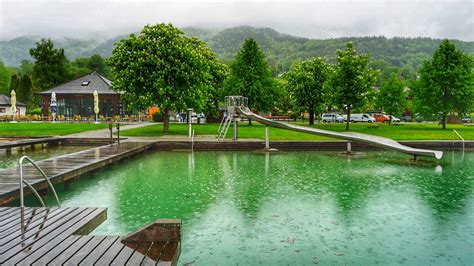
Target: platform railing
x=460 y=137
x=22 y=181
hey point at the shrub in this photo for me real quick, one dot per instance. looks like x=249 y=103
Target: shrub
x=34 y=111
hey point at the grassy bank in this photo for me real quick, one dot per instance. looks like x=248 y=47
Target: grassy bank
x=45 y=129
x=409 y=131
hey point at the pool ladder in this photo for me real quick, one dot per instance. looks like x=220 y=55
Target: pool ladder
x=224 y=127
x=22 y=181
x=460 y=137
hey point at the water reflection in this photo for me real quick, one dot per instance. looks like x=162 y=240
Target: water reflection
x=293 y=207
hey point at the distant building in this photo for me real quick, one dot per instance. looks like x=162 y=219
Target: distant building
x=76 y=97
x=5 y=106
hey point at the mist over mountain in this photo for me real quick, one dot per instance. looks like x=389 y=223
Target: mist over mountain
x=280 y=49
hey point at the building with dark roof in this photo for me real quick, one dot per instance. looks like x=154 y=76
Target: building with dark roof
x=76 y=97
x=5 y=106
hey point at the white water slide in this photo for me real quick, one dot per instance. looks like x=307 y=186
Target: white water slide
x=351 y=136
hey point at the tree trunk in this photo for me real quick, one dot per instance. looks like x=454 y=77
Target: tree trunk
x=166 y=121
x=390 y=120
x=444 y=121
x=250 y=122
x=311 y=117
x=348 y=117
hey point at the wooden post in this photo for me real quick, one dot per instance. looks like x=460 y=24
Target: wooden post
x=267 y=139
x=118 y=131
x=111 y=137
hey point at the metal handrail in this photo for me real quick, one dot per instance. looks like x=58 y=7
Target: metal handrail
x=462 y=139
x=20 y=165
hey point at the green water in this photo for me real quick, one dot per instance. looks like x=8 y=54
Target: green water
x=11 y=159
x=298 y=208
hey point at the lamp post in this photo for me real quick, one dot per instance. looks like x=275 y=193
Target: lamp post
x=13 y=105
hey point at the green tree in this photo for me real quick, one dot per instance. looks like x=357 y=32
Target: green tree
x=25 y=89
x=5 y=77
x=14 y=83
x=50 y=67
x=446 y=82
x=26 y=67
x=251 y=77
x=162 y=66
x=391 y=97
x=307 y=84
x=98 y=64
x=352 y=81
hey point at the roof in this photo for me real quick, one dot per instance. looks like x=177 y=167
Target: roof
x=5 y=100
x=95 y=82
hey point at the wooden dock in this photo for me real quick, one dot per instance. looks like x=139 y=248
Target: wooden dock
x=30 y=142
x=53 y=236
x=66 y=167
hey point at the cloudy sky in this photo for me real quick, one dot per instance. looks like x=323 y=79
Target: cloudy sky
x=314 y=19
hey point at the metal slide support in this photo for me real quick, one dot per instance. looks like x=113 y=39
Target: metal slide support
x=20 y=165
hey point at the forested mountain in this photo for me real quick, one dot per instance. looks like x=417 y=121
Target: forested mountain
x=280 y=49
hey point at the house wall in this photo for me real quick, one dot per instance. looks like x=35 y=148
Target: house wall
x=71 y=105
x=6 y=110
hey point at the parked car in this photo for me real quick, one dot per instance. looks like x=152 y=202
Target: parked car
x=360 y=118
x=466 y=119
x=381 y=118
x=332 y=117
x=395 y=119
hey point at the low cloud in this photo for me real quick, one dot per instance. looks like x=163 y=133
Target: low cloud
x=86 y=18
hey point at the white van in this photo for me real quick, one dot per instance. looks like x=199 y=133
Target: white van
x=360 y=118
x=332 y=117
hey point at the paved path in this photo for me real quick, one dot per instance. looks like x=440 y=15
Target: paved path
x=105 y=133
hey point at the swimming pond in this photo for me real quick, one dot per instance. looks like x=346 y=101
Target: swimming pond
x=294 y=207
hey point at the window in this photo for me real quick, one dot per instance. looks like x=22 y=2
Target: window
x=2 y=110
x=85 y=83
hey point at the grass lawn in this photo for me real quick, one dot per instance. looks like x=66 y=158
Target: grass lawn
x=410 y=131
x=45 y=129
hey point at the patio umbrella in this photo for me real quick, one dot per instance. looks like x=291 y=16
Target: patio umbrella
x=96 y=104
x=53 y=105
x=13 y=102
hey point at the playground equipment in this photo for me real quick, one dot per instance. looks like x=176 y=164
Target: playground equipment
x=237 y=105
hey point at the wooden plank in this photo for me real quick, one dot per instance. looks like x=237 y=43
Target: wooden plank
x=111 y=253
x=57 y=236
x=34 y=227
x=94 y=255
x=125 y=254
x=170 y=254
x=140 y=253
x=26 y=215
x=85 y=250
x=67 y=253
x=31 y=222
x=69 y=245
x=16 y=243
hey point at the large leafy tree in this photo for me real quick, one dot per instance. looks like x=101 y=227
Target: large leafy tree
x=391 y=96
x=352 y=81
x=307 y=82
x=251 y=77
x=446 y=83
x=162 y=66
x=50 y=67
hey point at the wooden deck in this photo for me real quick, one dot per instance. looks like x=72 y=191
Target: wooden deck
x=62 y=168
x=30 y=142
x=53 y=236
